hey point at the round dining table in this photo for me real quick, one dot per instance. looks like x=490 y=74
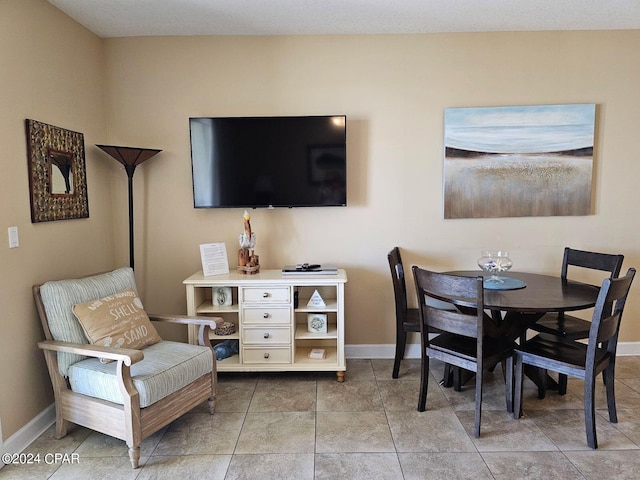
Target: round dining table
x=514 y=310
x=539 y=295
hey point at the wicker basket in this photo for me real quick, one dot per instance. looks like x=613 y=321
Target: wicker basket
x=227 y=328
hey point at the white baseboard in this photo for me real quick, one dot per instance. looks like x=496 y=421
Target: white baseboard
x=628 y=348
x=20 y=440
x=413 y=350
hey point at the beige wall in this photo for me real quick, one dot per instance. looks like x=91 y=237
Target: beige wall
x=393 y=90
x=51 y=71
x=141 y=91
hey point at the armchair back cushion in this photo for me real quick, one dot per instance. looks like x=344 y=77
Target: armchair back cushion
x=59 y=297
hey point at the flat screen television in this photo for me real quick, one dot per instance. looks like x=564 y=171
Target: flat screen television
x=254 y=162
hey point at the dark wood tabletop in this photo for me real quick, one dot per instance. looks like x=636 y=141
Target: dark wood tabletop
x=543 y=293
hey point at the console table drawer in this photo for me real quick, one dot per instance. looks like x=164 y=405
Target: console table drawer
x=266 y=355
x=266 y=335
x=266 y=315
x=266 y=294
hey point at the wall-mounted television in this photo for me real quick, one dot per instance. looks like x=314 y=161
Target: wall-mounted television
x=254 y=162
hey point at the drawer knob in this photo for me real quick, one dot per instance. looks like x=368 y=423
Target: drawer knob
x=266 y=335
x=265 y=294
x=266 y=315
x=266 y=355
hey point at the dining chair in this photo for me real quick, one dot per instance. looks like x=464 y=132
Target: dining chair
x=568 y=326
x=580 y=360
x=407 y=319
x=462 y=342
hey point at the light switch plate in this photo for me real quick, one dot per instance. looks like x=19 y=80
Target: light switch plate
x=13 y=237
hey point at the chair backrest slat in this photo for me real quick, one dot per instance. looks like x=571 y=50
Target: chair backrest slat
x=467 y=321
x=605 y=262
x=451 y=321
x=399 y=284
x=605 y=327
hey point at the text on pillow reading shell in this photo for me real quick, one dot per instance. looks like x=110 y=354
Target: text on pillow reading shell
x=123 y=311
x=99 y=303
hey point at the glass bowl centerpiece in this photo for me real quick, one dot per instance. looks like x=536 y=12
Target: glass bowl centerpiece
x=495 y=262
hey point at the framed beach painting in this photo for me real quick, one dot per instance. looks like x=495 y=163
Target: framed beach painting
x=518 y=161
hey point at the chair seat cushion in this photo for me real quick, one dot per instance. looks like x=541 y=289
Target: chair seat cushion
x=166 y=367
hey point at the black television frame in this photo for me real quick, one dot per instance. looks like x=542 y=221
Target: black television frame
x=333 y=154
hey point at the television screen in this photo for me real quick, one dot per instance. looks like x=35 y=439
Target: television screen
x=256 y=162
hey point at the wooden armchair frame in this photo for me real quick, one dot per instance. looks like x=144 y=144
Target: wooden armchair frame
x=128 y=421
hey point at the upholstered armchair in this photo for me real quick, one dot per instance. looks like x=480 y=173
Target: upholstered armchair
x=101 y=382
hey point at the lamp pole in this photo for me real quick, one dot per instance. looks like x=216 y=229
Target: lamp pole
x=130 y=157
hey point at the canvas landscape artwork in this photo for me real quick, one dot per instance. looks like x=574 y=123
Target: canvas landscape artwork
x=518 y=161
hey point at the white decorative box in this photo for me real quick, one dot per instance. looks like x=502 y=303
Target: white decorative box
x=221 y=296
x=317 y=322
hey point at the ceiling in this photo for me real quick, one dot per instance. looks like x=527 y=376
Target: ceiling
x=123 y=18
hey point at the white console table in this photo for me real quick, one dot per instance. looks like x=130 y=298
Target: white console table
x=270 y=312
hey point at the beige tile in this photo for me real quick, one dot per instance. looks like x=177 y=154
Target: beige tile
x=402 y=395
x=201 y=434
x=566 y=429
x=632 y=383
x=277 y=432
x=99 y=468
x=100 y=445
x=429 y=431
x=284 y=396
x=47 y=443
x=409 y=369
x=448 y=466
x=233 y=396
x=600 y=464
x=303 y=425
x=531 y=466
x=499 y=431
x=359 y=370
x=211 y=467
x=347 y=432
x=357 y=466
x=626 y=397
x=348 y=396
x=22 y=471
x=493 y=393
x=276 y=466
x=552 y=400
x=628 y=424
x=627 y=367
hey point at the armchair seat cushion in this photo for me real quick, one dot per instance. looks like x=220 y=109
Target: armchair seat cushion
x=166 y=367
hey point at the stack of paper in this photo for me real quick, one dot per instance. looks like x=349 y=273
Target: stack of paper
x=317 y=353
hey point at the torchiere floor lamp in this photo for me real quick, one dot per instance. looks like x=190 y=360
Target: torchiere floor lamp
x=130 y=157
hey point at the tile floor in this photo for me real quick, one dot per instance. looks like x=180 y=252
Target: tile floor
x=308 y=426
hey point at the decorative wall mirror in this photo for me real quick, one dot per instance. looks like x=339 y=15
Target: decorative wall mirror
x=57 y=173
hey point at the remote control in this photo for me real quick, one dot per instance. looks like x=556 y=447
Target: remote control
x=307 y=266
